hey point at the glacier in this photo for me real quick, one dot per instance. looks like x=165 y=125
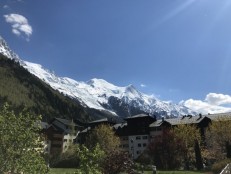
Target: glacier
x=99 y=94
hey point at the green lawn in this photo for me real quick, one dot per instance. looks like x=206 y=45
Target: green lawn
x=61 y=171
x=176 y=172
x=71 y=171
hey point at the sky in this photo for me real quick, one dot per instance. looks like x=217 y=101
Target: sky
x=176 y=50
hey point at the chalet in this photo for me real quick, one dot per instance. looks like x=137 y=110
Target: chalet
x=61 y=133
x=201 y=121
x=134 y=134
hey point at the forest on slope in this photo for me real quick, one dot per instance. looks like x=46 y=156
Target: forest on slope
x=22 y=90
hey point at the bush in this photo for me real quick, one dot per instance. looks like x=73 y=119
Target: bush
x=117 y=162
x=218 y=166
x=68 y=159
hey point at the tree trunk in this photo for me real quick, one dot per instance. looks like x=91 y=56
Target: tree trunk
x=228 y=150
x=199 y=161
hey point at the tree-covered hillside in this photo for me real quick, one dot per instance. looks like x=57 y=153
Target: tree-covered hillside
x=23 y=90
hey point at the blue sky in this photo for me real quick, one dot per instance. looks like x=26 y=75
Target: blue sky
x=178 y=50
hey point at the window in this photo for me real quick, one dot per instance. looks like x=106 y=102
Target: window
x=138 y=152
x=145 y=137
x=144 y=145
x=138 y=138
x=139 y=145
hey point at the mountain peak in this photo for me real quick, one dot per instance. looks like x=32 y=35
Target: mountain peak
x=6 y=51
x=99 y=82
x=99 y=94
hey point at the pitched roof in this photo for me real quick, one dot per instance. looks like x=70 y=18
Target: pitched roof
x=66 y=122
x=157 y=123
x=98 y=121
x=139 y=116
x=191 y=119
x=119 y=125
x=215 y=117
x=186 y=120
x=180 y=120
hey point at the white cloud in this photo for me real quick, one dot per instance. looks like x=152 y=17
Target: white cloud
x=218 y=99
x=19 y=24
x=16 y=32
x=143 y=85
x=213 y=103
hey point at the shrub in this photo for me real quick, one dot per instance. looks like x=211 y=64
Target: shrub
x=117 y=162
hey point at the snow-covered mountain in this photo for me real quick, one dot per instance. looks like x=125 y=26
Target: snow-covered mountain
x=99 y=94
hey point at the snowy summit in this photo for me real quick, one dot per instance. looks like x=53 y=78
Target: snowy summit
x=99 y=94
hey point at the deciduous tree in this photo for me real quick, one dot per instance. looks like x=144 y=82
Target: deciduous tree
x=117 y=162
x=90 y=160
x=190 y=136
x=105 y=137
x=218 y=137
x=20 y=144
x=165 y=150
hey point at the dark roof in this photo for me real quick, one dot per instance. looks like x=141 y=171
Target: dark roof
x=64 y=121
x=56 y=128
x=138 y=116
x=67 y=122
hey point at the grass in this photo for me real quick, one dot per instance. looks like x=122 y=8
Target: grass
x=71 y=171
x=175 y=172
x=62 y=171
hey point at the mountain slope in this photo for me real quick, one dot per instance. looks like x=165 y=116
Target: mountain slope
x=99 y=95
x=21 y=89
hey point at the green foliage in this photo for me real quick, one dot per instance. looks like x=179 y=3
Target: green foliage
x=68 y=159
x=165 y=151
x=189 y=134
x=218 y=137
x=21 y=89
x=90 y=160
x=20 y=147
x=105 y=137
x=117 y=162
x=62 y=171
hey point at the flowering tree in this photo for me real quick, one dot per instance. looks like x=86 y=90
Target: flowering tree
x=20 y=147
